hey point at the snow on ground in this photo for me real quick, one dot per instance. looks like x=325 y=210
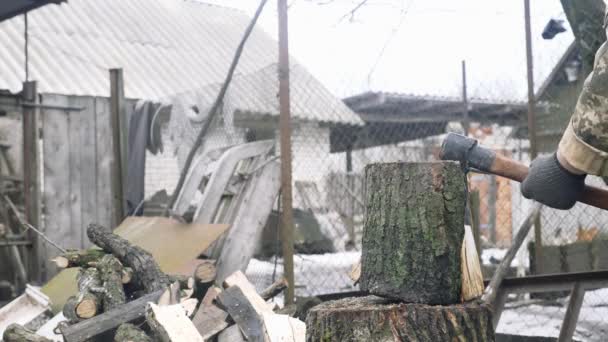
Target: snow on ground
x=546 y=320
x=329 y=273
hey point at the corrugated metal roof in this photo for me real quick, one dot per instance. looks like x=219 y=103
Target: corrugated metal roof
x=164 y=47
x=9 y=9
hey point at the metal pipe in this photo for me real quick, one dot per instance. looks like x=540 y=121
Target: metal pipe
x=285 y=139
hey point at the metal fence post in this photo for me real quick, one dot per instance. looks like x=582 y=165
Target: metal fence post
x=285 y=132
x=532 y=120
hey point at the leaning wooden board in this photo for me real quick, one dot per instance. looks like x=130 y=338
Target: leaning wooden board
x=173 y=244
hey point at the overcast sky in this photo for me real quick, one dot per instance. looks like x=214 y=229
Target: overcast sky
x=416 y=47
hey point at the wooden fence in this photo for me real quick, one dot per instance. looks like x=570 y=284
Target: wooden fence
x=78 y=161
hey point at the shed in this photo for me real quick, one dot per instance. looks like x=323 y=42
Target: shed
x=170 y=51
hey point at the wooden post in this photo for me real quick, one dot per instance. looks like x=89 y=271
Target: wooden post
x=31 y=177
x=350 y=219
x=532 y=118
x=574 y=308
x=285 y=132
x=119 y=142
x=500 y=273
x=414 y=231
x=492 y=198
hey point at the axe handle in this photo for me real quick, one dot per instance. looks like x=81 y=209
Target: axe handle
x=517 y=171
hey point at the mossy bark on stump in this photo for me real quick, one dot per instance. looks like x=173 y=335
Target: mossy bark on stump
x=414 y=231
x=377 y=319
x=128 y=332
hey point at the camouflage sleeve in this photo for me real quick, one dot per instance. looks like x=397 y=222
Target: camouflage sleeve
x=585 y=142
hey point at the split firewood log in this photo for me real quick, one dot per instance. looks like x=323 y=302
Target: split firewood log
x=146 y=272
x=87 y=303
x=111 y=272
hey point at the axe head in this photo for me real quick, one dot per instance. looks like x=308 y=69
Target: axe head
x=465 y=150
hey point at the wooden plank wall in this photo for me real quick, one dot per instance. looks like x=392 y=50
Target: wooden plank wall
x=78 y=157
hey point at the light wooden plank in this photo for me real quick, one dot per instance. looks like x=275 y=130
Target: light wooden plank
x=88 y=165
x=170 y=323
x=74 y=143
x=239 y=279
x=282 y=328
x=252 y=214
x=104 y=159
x=209 y=320
x=57 y=218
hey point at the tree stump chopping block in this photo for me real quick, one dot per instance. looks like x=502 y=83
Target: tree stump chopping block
x=414 y=231
x=378 y=319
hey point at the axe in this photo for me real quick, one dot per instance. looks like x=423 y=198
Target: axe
x=470 y=154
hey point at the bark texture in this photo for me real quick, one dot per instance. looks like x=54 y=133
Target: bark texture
x=147 y=274
x=17 y=333
x=413 y=232
x=82 y=258
x=377 y=319
x=87 y=303
x=130 y=333
x=110 y=270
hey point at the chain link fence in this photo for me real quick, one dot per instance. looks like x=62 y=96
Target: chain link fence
x=383 y=81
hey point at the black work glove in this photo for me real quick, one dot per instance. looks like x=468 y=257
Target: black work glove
x=549 y=183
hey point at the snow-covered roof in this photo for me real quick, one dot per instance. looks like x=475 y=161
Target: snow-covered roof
x=165 y=47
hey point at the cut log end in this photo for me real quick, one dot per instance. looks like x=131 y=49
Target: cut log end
x=87 y=308
x=377 y=319
x=205 y=272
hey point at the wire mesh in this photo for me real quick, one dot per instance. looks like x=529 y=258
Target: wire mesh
x=381 y=81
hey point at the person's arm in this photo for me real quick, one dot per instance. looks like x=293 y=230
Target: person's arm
x=558 y=180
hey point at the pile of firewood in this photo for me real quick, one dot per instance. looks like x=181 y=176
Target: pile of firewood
x=123 y=295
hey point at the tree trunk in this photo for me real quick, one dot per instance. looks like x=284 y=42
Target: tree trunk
x=146 y=272
x=377 y=319
x=413 y=232
x=110 y=270
x=127 y=332
x=17 y=333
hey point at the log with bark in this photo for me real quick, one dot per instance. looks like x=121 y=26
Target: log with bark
x=111 y=272
x=373 y=318
x=146 y=272
x=128 y=332
x=274 y=289
x=413 y=232
x=109 y=320
x=87 y=303
x=82 y=258
x=17 y=333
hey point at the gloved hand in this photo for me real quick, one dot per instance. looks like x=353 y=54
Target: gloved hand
x=549 y=183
